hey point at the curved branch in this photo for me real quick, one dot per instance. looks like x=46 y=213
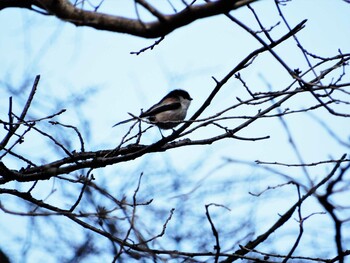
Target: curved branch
x=66 y=11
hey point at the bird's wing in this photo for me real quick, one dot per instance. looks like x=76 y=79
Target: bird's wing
x=155 y=110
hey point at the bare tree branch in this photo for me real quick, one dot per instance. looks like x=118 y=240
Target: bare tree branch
x=285 y=217
x=165 y=24
x=125 y=220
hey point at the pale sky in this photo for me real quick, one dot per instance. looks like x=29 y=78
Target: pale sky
x=75 y=59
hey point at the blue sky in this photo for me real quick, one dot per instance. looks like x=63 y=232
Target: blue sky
x=76 y=59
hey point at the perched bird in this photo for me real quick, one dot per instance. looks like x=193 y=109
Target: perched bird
x=168 y=112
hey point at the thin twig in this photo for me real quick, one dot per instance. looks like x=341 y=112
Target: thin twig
x=14 y=127
x=217 y=247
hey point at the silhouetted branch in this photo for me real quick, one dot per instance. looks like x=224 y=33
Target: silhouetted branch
x=14 y=126
x=284 y=217
x=164 y=24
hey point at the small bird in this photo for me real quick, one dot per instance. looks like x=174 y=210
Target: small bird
x=168 y=112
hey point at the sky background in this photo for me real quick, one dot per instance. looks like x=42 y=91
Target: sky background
x=97 y=68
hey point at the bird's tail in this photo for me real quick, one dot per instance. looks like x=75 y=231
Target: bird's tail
x=122 y=122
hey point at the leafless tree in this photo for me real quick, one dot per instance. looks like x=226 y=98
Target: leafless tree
x=133 y=224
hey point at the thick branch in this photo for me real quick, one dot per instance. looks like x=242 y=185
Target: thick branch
x=64 y=10
x=16 y=3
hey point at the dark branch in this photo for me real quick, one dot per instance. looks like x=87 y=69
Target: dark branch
x=164 y=24
x=284 y=218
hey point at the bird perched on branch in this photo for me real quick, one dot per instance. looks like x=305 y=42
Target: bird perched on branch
x=168 y=112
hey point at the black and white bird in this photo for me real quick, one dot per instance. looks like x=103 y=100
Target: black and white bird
x=168 y=112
